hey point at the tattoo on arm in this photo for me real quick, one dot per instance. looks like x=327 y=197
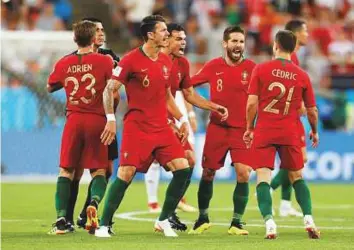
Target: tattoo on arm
x=108 y=98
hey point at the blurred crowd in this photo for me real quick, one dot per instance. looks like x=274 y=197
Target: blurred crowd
x=30 y=15
x=328 y=56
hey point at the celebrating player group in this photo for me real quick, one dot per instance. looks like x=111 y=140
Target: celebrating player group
x=255 y=113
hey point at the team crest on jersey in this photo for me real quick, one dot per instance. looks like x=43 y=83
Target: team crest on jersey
x=179 y=76
x=125 y=155
x=165 y=72
x=244 y=77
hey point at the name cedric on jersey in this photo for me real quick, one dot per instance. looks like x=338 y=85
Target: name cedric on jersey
x=284 y=74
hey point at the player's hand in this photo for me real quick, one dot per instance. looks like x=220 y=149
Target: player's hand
x=193 y=122
x=109 y=133
x=223 y=112
x=315 y=138
x=248 y=138
x=174 y=128
x=184 y=132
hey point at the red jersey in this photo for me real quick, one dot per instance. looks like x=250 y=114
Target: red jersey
x=295 y=59
x=146 y=82
x=281 y=86
x=180 y=77
x=84 y=78
x=228 y=87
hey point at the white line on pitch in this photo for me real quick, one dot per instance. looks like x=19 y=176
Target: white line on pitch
x=130 y=216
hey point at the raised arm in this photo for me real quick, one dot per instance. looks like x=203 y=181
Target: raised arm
x=195 y=99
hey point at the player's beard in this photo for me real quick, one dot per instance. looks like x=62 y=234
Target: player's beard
x=232 y=57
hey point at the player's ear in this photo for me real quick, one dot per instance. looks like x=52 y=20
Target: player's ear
x=224 y=44
x=151 y=35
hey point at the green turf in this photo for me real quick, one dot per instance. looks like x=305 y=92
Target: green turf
x=28 y=212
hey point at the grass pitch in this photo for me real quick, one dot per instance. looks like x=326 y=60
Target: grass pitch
x=28 y=212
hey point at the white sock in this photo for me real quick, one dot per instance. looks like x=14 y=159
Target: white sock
x=284 y=204
x=308 y=221
x=152 y=178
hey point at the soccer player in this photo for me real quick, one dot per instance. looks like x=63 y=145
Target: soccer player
x=228 y=77
x=276 y=92
x=180 y=80
x=84 y=76
x=112 y=148
x=145 y=73
x=299 y=28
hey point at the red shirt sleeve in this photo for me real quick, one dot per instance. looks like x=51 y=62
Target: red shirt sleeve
x=57 y=74
x=122 y=71
x=202 y=76
x=186 y=78
x=254 y=86
x=308 y=94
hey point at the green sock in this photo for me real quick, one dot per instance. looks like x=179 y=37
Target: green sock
x=240 y=199
x=87 y=202
x=98 y=187
x=74 y=191
x=174 y=192
x=279 y=178
x=286 y=189
x=188 y=182
x=303 y=196
x=205 y=192
x=62 y=196
x=114 y=197
x=264 y=200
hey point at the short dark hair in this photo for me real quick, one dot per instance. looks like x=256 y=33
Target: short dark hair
x=294 y=25
x=174 y=27
x=84 y=33
x=286 y=40
x=148 y=24
x=92 y=19
x=232 y=29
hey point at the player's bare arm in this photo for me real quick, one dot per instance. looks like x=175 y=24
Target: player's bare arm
x=195 y=99
x=312 y=116
x=176 y=113
x=191 y=115
x=251 y=111
x=110 y=129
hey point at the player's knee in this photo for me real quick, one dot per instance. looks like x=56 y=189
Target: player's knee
x=67 y=172
x=295 y=175
x=126 y=173
x=191 y=158
x=97 y=172
x=208 y=174
x=264 y=175
x=243 y=175
x=243 y=172
x=177 y=164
